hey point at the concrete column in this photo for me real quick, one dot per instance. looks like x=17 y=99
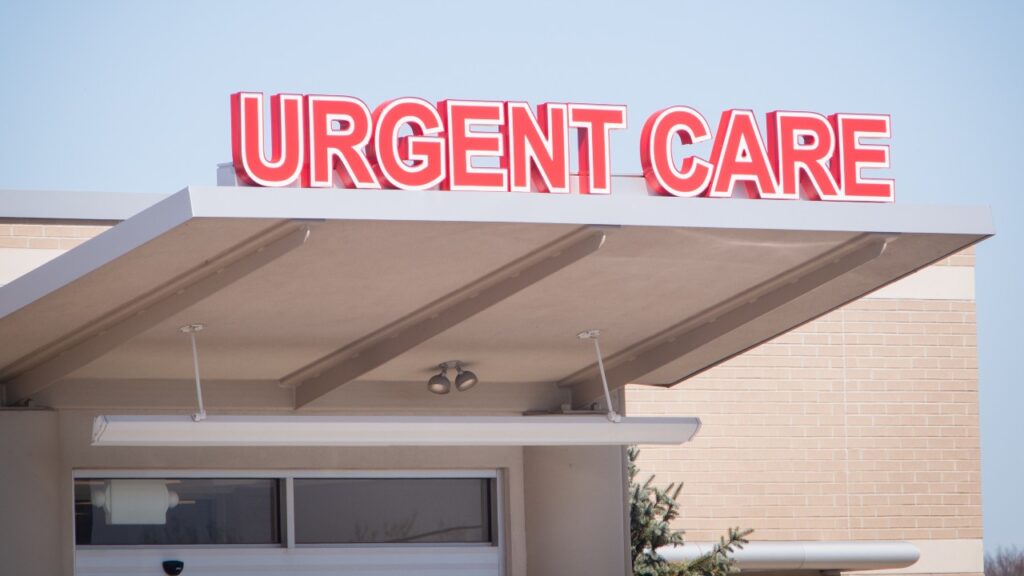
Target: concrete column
x=30 y=497
x=576 y=511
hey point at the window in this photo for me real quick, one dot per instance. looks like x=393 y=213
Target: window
x=316 y=508
x=395 y=511
x=182 y=511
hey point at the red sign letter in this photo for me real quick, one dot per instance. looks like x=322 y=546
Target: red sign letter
x=595 y=122
x=800 y=145
x=425 y=148
x=286 y=144
x=537 y=152
x=464 y=144
x=739 y=155
x=656 y=152
x=851 y=156
x=339 y=129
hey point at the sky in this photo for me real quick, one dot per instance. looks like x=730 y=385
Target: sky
x=133 y=96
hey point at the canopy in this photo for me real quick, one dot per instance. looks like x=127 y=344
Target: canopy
x=315 y=289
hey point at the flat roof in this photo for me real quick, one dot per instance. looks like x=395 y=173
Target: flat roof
x=316 y=288
x=74 y=205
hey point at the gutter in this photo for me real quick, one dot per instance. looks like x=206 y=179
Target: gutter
x=830 y=556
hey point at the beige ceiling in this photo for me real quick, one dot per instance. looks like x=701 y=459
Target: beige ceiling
x=353 y=277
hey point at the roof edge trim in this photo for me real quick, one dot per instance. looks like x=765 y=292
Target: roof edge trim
x=577 y=209
x=163 y=216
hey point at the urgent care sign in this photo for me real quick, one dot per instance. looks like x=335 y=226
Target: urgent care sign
x=412 y=144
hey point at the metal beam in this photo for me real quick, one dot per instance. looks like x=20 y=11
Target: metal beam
x=179 y=394
x=669 y=345
x=351 y=361
x=82 y=347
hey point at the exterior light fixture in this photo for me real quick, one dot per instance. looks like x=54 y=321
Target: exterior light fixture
x=367 y=430
x=465 y=379
x=440 y=384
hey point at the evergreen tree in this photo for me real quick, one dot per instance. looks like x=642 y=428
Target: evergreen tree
x=651 y=512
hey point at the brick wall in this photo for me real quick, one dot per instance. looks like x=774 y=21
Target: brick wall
x=50 y=236
x=862 y=425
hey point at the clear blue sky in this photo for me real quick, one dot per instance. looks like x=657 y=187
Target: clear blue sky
x=133 y=96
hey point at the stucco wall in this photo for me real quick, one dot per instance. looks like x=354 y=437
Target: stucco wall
x=576 y=515
x=30 y=510
x=76 y=453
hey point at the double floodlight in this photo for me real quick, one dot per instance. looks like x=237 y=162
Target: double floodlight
x=440 y=384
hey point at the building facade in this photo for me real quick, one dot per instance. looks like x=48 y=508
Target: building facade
x=860 y=425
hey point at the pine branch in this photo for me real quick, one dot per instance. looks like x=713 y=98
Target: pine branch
x=651 y=513
x=718 y=560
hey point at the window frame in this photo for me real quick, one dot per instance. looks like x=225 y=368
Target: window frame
x=286 y=515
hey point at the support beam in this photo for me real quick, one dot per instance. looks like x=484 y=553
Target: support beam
x=267 y=395
x=669 y=345
x=81 y=348
x=350 y=362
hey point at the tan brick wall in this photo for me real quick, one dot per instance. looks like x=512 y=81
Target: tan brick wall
x=40 y=235
x=963 y=258
x=862 y=425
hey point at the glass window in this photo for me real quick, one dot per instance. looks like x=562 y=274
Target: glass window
x=165 y=511
x=394 y=510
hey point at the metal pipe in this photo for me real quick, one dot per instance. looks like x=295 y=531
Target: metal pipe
x=829 y=556
x=595 y=335
x=191 y=330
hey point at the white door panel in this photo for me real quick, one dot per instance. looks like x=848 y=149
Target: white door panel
x=347 y=561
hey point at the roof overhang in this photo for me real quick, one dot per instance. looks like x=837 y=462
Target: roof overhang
x=313 y=289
